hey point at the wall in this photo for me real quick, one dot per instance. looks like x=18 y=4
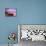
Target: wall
x=28 y=12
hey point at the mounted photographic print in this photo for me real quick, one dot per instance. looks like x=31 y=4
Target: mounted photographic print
x=10 y=11
x=32 y=32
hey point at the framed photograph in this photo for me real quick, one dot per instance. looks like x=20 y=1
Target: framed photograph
x=10 y=11
x=32 y=32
